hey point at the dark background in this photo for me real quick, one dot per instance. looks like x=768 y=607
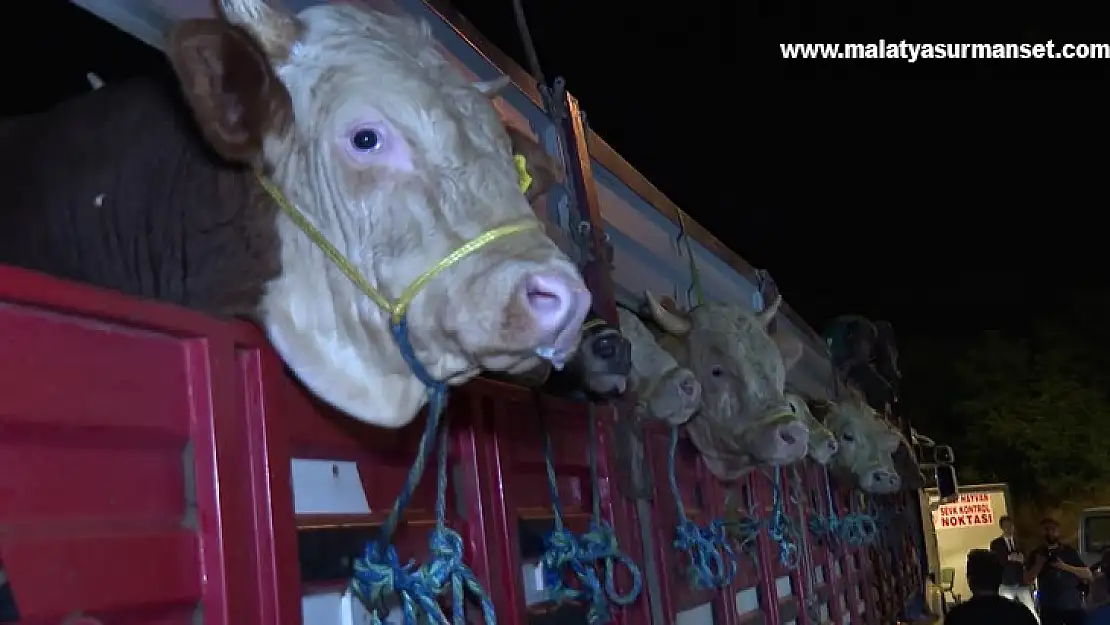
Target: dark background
x=945 y=196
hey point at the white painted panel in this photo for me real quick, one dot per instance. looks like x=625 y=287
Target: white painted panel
x=535 y=591
x=701 y=615
x=747 y=600
x=327 y=487
x=340 y=608
x=783 y=586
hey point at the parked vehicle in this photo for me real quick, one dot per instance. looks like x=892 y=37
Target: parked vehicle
x=1094 y=533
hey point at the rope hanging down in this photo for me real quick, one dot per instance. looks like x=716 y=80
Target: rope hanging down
x=805 y=561
x=712 y=562
x=600 y=542
x=780 y=528
x=827 y=526
x=379 y=573
x=598 y=545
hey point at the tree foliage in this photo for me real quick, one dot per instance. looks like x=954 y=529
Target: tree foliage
x=1034 y=412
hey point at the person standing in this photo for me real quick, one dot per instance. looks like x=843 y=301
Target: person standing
x=1010 y=555
x=986 y=607
x=1059 y=571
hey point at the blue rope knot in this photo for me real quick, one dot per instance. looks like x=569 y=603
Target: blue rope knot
x=824 y=527
x=563 y=551
x=447 y=568
x=712 y=563
x=859 y=530
x=600 y=545
x=380 y=574
x=780 y=528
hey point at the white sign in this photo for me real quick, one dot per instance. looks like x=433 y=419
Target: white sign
x=972 y=510
x=327 y=487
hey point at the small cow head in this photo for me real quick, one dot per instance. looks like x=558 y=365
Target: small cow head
x=742 y=372
x=866 y=444
x=822 y=443
x=664 y=390
x=604 y=359
x=398 y=160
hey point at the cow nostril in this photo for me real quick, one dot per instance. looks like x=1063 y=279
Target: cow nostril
x=605 y=348
x=687 y=387
x=787 y=436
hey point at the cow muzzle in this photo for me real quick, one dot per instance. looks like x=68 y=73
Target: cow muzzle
x=880 y=480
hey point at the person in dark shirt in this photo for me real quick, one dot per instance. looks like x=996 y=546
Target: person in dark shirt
x=1059 y=571
x=1010 y=554
x=986 y=607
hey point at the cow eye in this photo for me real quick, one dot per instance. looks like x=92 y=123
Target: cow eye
x=366 y=140
x=848 y=438
x=717 y=371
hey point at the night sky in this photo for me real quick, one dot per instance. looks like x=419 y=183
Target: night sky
x=945 y=196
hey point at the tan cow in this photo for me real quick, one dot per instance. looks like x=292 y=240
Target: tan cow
x=822 y=444
x=866 y=444
x=744 y=419
x=664 y=390
x=363 y=125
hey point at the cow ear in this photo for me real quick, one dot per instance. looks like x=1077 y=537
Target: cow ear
x=540 y=166
x=790 y=348
x=229 y=85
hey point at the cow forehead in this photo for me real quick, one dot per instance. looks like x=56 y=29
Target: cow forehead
x=748 y=350
x=347 y=54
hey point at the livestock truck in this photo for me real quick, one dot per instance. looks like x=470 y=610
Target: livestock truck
x=160 y=467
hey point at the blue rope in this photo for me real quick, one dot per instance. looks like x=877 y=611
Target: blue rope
x=564 y=551
x=712 y=561
x=379 y=574
x=600 y=542
x=827 y=526
x=780 y=527
x=859 y=529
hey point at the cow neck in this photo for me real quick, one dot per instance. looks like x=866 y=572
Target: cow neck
x=397 y=309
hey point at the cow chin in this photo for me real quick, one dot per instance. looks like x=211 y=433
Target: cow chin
x=606 y=385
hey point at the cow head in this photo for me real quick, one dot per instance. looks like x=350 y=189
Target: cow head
x=742 y=372
x=399 y=160
x=822 y=444
x=866 y=444
x=664 y=390
x=604 y=359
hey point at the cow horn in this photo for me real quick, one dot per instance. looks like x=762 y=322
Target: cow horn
x=674 y=324
x=94 y=81
x=492 y=88
x=768 y=313
x=272 y=26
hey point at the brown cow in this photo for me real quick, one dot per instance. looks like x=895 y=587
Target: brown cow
x=362 y=124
